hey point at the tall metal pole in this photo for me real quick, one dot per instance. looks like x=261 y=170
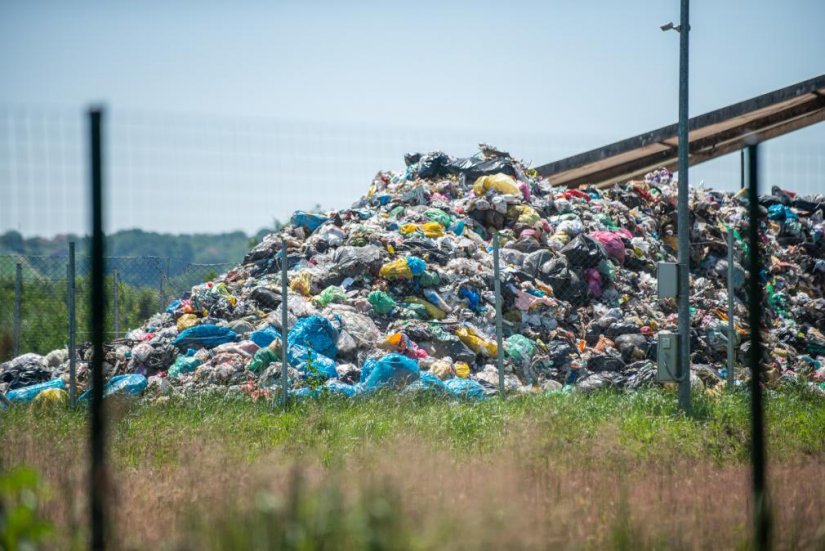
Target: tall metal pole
x=98 y=315
x=683 y=215
x=18 y=297
x=497 y=288
x=760 y=512
x=70 y=298
x=284 y=322
x=116 y=303
x=731 y=327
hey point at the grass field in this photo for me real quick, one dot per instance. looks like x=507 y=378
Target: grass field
x=598 y=471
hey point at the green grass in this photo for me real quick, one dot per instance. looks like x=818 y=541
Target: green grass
x=645 y=425
x=400 y=472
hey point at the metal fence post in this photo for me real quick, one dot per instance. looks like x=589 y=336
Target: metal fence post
x=284 y=323
x=97 y=303
x=18 y=297
x=761 y=519
x=115 y=303
x=70 y=298
x=731 y=325
x=161 y=286
x=499 y=336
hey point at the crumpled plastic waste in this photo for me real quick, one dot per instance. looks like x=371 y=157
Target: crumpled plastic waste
x=396 y=291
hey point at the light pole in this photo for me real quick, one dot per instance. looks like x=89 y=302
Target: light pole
x=682 y=214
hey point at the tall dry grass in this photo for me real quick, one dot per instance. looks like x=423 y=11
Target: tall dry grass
x=409 y=493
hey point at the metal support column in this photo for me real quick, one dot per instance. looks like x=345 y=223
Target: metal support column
x=683 y=215
x=499 y=336
x=72 y=311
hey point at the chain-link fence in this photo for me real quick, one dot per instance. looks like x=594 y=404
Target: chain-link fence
x=34 y=296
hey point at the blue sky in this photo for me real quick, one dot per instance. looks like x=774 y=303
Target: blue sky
x=350 y=87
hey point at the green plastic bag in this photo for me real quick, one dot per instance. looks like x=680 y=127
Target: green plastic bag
x=263 y=357
x=519 y=348
x=438 y=215
x=381 y=302
x=429 y=279
x=184 y=364
x=416 y=311
x=333 y=293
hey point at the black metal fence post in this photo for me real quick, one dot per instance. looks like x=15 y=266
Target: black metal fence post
x=760 y=513
x=99 y=479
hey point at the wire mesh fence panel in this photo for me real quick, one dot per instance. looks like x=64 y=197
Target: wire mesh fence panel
x=33 y=310
x=182 y=278
x=34 y=314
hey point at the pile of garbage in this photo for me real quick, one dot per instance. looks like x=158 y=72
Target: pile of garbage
x=397 y=291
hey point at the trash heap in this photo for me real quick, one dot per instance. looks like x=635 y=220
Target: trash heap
x=397 y=291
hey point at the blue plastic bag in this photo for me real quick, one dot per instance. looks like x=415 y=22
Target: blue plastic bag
x=314 y=332
x=28 y=393
x=472 y=296
x=427 y=381
x=205 y=336
x=392 y=370
x=308 y=220
x=311 y=362
x=133 y=384
x=264 y=337
x=173 y=306
x=416 y=265
x=781 y=213
x=334 y=386
x=366 y=369
x=465 y=388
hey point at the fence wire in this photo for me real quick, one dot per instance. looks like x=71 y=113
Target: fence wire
x=34 y=304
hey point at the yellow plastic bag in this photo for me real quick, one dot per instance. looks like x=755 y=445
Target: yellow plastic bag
x=407 y=229
x=434 y=311
x=186 y=321
x=51 y=398
x=432 y=229
x=462 y=369
x=524 y=214
x=397 y=269
x=476 y=342
x=442 y=369
x=502 y=183
x=301 y=283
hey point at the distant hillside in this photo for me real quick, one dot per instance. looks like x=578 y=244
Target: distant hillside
x=196 y=248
